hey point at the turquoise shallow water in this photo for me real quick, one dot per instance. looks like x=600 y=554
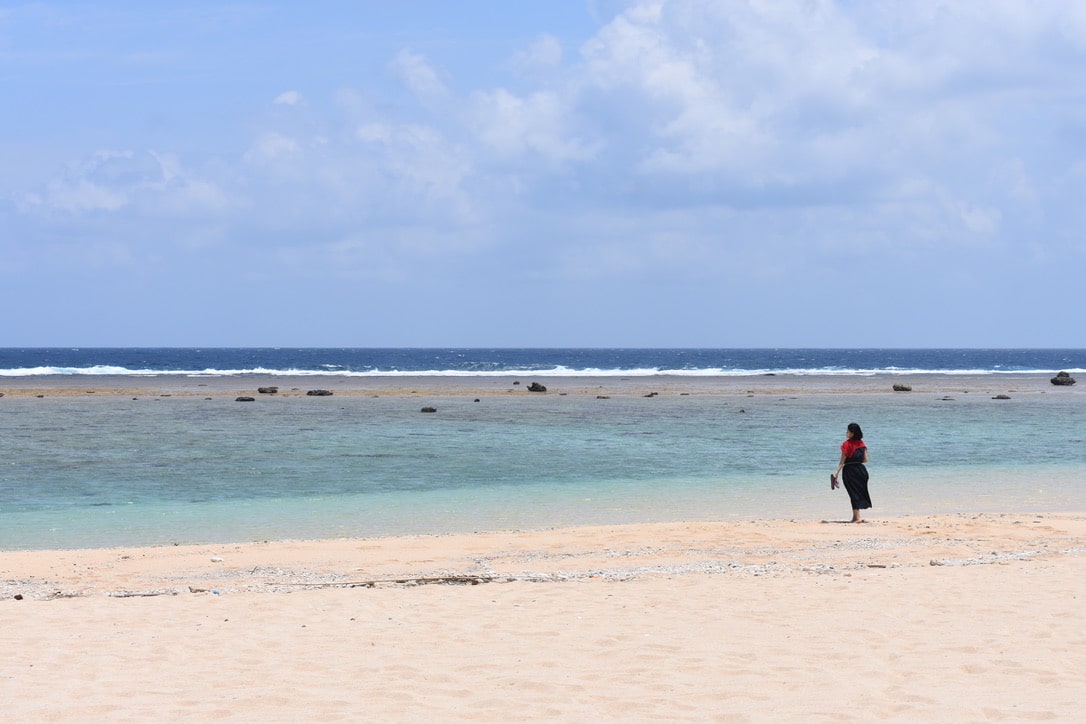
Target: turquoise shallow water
x=105 y=471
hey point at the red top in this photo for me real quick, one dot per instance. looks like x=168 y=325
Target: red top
x=849 y=447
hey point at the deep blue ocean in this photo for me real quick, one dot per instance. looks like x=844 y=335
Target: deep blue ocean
x=107 y=470
x=473 y=362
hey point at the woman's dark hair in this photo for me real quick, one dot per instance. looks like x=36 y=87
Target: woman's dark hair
x=857 y=433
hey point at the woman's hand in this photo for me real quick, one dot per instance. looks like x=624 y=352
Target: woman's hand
x=833 y=482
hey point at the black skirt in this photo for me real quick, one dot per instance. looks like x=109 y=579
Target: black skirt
x=854 y=476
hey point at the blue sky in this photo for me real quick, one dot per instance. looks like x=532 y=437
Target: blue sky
x=578 y=173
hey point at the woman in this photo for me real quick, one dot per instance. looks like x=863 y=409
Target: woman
x=853 y=457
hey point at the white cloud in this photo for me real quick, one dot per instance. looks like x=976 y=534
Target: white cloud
x=710 y=134
x=419 y=76
x=422 y=157
x=852 y=122
x=544 y=53
x=512 y=125
x=102 y=182
x=374 y=133
x=273 y=145
x=81 y=195
x=147 y=183
x=726 y=86
x=980 y=220
x=288 y=98
x=169 y=164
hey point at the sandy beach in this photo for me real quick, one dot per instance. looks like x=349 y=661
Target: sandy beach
x=968 y=617
x=948 y=618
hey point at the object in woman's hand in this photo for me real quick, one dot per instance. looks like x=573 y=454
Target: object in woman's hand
x=833 y=482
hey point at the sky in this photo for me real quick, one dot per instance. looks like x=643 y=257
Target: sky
x=582 y=173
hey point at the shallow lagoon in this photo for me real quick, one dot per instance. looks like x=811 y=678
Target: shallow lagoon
x=109 y=470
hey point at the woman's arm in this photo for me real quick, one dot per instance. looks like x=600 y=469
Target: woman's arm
x=842 y=464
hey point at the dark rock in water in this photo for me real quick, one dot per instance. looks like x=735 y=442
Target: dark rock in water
x=536 y=387
x=902 y=388
x=243 y=398
x=1063 y=379
x=652 y=394
x=319 y=393
x=267 y=390
x=428 y=409
x=1002 y=397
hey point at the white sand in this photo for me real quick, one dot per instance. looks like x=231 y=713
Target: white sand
x=759 y=621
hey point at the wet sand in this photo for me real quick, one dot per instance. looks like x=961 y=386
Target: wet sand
x=249 y=385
